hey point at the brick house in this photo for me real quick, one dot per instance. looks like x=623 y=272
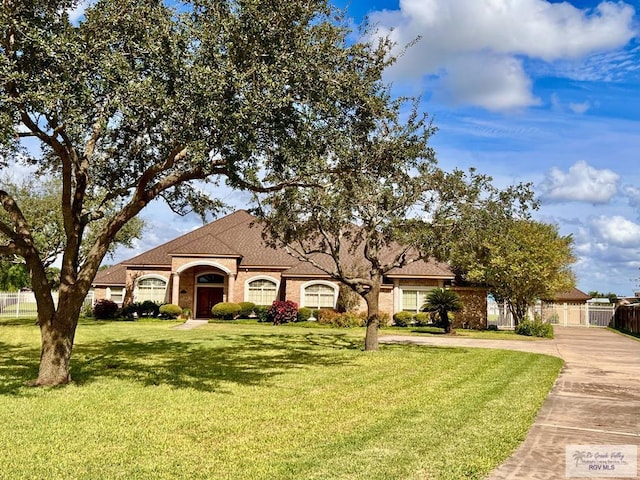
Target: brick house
x=227 y=260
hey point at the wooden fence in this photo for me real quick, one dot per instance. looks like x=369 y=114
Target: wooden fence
x=627 y=318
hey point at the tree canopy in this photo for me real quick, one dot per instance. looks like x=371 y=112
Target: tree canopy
x=380 y=203
x=526 y=261
x=139 y=101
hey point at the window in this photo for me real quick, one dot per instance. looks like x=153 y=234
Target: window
x=262 y=292
x=319 y=295
x=210 y=278
x=115 y=295
x=153 y=289
x=413 y=300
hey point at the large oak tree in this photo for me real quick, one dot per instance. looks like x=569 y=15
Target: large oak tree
x=138 y=100
x=380 y=204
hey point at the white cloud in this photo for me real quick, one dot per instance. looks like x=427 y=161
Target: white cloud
x=579 y=108
x=581 y=183
x=617 y=230
x=633 y=195
x=462 y=41
x=499 y=82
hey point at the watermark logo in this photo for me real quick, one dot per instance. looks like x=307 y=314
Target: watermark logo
x=601 y=461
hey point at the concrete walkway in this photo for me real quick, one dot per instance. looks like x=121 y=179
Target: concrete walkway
x=595 y=400
x=191 y=324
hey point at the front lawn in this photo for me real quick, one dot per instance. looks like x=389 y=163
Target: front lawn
x=229 y=401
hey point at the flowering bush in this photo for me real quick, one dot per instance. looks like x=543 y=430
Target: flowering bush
x=283 y=312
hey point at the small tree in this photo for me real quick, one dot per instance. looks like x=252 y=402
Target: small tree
x=442 y=301
x=521 y=261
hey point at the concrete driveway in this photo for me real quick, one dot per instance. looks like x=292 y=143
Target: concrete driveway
x=595 y=400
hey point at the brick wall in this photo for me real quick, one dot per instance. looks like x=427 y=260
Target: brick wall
x=474 y=312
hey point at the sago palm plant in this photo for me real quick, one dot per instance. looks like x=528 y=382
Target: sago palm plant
x=442 y=301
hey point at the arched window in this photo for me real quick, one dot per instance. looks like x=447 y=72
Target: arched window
x=320 y=295
x=210 y=278
x=151 y=288
x=262 y=291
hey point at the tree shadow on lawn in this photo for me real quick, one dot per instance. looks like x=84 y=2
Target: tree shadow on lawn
x=18 y=365
x=194 y=363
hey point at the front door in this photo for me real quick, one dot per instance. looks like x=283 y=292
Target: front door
x=207 y=298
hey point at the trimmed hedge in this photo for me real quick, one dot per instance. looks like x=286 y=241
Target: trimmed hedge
x=304 y=314
x=402 y=319
x=170 y=310
x=225 y=310
x=246 y=309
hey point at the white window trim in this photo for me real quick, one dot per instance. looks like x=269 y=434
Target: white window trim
x=260 y=277
x=150 y=276
x=110 y=291
x=304 y=286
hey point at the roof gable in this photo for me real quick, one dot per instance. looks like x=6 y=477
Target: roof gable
x=236 y=235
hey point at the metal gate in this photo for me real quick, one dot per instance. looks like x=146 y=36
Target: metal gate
x=559 y=314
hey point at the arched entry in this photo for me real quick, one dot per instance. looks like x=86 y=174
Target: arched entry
x=209 y=291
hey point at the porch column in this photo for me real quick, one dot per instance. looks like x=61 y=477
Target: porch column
x=231 y=284
x=396 y=296
x=175 y=288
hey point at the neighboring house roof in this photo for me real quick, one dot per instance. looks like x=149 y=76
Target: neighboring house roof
x=573 y=295
x=239 y=235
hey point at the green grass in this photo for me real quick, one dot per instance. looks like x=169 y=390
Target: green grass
x=240 y=401
x=458 y=332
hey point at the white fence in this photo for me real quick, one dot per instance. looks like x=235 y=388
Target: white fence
x=23 y=304
x=561 y=314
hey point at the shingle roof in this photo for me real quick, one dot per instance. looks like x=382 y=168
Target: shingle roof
x=240 y=235
x=573 y=295
x=114 y=275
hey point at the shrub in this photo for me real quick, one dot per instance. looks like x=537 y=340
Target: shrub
x=422 y=319
x=105 y=309
x=130 y=310
x=341 y=320
x=327 y=316
x=348 y=300
x=246 y=309
x=262 y=313
x=87 y=311
x=225 y=310
x=304 y=314
x=283 y=312
x=492 y=328
x=534 y=328
x=402 y=319
x=148 y=309
x=170 y=310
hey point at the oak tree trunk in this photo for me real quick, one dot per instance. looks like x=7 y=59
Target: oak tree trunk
x=57 y=334
x=372 y=297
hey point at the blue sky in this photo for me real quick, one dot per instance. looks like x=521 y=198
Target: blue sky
x=526 y=91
